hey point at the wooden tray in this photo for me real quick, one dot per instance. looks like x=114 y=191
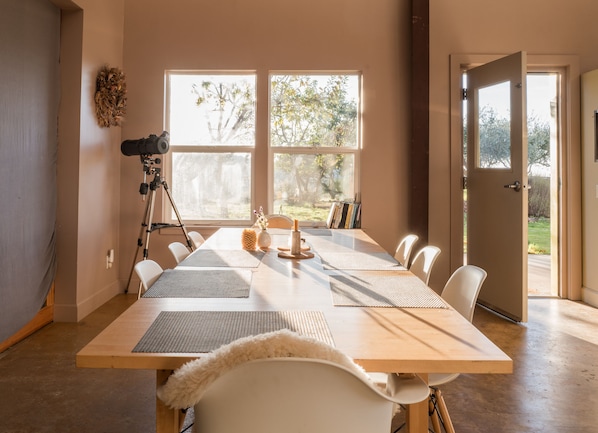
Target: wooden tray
x=301 y=255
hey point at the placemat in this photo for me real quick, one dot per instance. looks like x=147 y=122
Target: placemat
x=204 y=331
x=406 y=291
x=359 y=261
x=201 y=283
x=317 y=232
x=224 y=258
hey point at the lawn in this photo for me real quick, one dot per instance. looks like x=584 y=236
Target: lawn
x=538 y=236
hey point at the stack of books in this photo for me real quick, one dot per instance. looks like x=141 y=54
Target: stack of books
x=344 y=215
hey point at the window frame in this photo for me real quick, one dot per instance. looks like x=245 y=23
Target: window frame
x=262 y=129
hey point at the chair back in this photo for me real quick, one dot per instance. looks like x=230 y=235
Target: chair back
x=404 y=249
x=279 y=394
x=462 y=289
x=279 y=381
x=196 y=238
x=279 y=221
x=148 y=272
x=424 y=261
x=179 y=251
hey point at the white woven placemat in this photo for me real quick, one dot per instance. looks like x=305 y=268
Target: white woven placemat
x=204 y=331
x=359 y=261
x=201 y=283
x=224 y=258
x=406 y=291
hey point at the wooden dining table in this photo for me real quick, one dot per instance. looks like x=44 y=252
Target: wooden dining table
x=351 y=293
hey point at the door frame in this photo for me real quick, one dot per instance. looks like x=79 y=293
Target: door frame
x=569 y=224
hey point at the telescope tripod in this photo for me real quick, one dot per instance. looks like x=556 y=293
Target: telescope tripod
x=147 y=227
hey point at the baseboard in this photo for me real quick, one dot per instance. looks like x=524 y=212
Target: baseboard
x=589 y=296
x=74 y=313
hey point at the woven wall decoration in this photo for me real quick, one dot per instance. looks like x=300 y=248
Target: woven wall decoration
x=111 y=96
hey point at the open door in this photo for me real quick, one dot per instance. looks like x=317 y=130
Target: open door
x=497 y=189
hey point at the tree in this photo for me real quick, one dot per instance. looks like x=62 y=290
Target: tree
x=495 y=141
x=305 y=113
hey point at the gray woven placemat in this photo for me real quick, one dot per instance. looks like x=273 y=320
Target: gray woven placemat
x=201 y=283
x=204 y=331
x=224 y=258
x=406 y=291
x=359 y=261
x=317 y=232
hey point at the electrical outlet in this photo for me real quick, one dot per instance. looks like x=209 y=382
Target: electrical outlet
x=109 y=258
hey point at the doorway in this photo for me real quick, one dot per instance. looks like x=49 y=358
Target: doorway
x=543 y=102
x=559 y=270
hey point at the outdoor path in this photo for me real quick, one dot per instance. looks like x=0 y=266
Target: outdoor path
x=538 y=269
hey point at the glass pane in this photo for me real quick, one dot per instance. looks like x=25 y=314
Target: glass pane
x=314 y=110
x=212 y=186
x=305 y=185
x=212 y=109
x=494 y=117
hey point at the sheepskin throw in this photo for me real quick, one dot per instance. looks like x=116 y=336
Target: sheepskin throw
x=186 y=386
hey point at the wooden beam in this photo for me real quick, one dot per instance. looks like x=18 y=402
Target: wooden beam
x=420 y=123
x=41 y=319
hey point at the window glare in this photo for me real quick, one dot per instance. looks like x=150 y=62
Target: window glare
x=212 y=109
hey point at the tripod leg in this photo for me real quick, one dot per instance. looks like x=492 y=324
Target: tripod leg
x=144 y=224
x=178 y=216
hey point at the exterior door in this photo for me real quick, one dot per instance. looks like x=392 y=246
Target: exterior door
x=497 y=188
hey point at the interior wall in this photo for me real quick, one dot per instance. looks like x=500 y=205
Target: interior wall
x=88 y=160
x=263 y=35
x=590 y=171
x=473 y=27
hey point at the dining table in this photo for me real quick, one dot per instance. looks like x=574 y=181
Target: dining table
x=342 y=288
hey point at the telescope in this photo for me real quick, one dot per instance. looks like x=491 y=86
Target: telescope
x=146 y=146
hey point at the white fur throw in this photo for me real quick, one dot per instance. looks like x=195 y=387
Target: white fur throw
x=185 y=387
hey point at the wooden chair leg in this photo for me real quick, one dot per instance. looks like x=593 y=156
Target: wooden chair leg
x=446 y=419
x=433 y=414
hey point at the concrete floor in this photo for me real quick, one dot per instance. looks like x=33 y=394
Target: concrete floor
x=553 y=387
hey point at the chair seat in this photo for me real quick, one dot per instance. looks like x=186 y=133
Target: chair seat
x=404 y=388
x=437 y=379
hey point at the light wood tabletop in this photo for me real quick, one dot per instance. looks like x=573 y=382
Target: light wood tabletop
x=380 y=339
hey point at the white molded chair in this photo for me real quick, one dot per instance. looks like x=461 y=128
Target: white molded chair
x=460 y=292
x=276 y=382
x=423 y=262
x=279 y=221
x=148 y=272
x=196 y=238
x=179 y=251
x=404 y=249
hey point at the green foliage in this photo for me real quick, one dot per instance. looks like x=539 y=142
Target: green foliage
x=538 y=236
x=539 y=197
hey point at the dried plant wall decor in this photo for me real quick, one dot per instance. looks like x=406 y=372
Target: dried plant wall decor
x=111 y=96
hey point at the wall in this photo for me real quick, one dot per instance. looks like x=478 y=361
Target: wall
x=263 y=35
x=474 y=27
x=589 y=102
x=88 y=160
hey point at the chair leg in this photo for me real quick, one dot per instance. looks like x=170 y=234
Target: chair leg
x=446 y=419
x=433 y=413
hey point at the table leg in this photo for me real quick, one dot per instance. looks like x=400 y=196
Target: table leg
x=416 y=417
x=167 y=420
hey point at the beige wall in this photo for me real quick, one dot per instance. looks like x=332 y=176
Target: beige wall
x=372 y=37
x=88 y=160
x=473 y=27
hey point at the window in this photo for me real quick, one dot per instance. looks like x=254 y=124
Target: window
x=313 y=126
x=314 y=130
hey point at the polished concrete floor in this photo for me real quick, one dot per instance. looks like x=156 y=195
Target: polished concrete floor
x=553 y=388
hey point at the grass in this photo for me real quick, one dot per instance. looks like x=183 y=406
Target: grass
x=538 y=236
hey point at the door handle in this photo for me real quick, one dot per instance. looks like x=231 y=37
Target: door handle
x=515 y=186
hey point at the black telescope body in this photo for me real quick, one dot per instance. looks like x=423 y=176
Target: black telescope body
x=146 y=146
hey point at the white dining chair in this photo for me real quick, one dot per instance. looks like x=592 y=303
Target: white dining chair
x=404 y=249
x=460 y=292
x=148 y=272
x=276 y=381
x=179 y=251
x=424 y=261
x=196 y=238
